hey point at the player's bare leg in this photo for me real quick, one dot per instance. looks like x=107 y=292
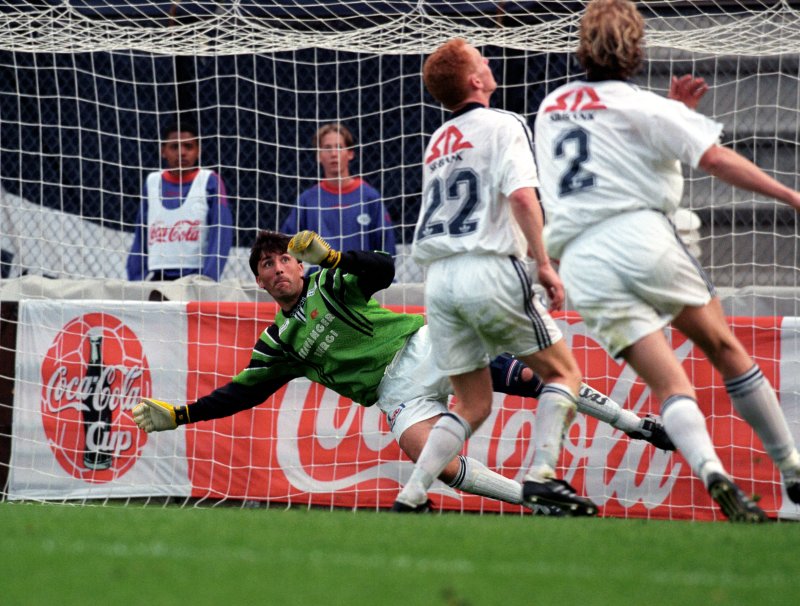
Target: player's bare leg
x=654 y=361
x=473 y=391
x=749 y=390
x=463 y=473
x=557 y=404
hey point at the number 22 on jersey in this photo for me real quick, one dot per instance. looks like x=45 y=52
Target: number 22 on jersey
x=457 y=191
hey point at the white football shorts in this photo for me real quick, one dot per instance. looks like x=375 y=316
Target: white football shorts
x=629 y=276
x=480 y=305
x=413 y=388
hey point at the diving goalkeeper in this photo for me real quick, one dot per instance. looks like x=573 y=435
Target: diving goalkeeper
x=332 y=331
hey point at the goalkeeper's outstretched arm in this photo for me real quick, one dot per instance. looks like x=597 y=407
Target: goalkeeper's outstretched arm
x=155 y=415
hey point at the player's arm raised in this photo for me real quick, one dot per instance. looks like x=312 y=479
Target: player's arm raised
x=687 y=89
x=375 y=270
x=726 y=164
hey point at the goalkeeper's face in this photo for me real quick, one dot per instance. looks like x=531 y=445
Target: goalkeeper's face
x=281 y=275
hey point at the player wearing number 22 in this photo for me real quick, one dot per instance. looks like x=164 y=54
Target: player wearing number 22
x=480 y=217
x=609 y=157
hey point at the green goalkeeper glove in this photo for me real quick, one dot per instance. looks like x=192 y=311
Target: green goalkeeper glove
x=155 y=415
x=309 y=246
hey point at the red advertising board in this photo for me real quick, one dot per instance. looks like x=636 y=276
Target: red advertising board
x=307 y=445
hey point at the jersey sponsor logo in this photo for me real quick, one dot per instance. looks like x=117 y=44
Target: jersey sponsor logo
x=92 y=376
x=588 y=393
x=582 y=99
x=391 y=418
x=180 y=231
x=315 y=341
x=448 y=143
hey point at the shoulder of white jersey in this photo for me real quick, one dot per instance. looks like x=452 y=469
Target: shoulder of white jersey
x=513 y=121
x=641 y=105
x=615 y=94
x=511 y=117
x=498 y=122
x=609 y=86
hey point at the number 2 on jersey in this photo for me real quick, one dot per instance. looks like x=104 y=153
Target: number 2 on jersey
x=575 y=178
x=460 y=187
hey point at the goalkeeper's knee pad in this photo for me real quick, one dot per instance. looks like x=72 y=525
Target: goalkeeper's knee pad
x=506 y=371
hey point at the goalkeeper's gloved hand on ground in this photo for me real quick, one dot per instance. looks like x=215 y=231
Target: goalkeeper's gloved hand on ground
x=155 y=415
x=308 y=246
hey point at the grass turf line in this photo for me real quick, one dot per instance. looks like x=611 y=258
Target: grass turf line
x=57 y=554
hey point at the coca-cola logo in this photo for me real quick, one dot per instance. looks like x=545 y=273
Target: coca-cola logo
x=180 y=231
x=92 y=376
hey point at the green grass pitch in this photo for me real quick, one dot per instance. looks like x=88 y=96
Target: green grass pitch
x=62 y=554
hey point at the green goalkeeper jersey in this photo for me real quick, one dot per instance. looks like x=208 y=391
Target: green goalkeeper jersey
x=336 y=335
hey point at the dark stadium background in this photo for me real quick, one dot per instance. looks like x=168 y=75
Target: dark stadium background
x=78 y=131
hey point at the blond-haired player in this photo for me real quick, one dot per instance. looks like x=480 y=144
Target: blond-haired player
x=609 y=158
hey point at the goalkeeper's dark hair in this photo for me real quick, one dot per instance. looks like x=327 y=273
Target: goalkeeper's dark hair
x=611 y=40
x=267 y=242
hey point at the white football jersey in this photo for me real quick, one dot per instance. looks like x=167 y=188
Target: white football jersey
x=473 y=162
x=177 y=237
x=604 y=148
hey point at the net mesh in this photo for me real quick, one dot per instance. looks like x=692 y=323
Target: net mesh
x=88 y=85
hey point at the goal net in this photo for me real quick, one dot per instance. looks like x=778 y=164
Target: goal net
x=88 y=86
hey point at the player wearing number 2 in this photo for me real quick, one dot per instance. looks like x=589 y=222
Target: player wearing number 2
x=479 y=218
x=609 y=158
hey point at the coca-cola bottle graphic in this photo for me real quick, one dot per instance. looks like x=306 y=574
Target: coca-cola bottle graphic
x=96 y=413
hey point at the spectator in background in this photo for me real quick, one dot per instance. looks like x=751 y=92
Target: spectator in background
x=344 y=209
x=185 y=224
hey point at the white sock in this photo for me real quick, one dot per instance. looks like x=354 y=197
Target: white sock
x=755 y=400
x=474 y=477
x=686 y=426
x=445 y=441
x=599 y=406
x=553 y=414
x=790 y=466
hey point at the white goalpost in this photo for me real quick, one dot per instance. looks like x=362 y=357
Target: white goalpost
x=87 y=87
